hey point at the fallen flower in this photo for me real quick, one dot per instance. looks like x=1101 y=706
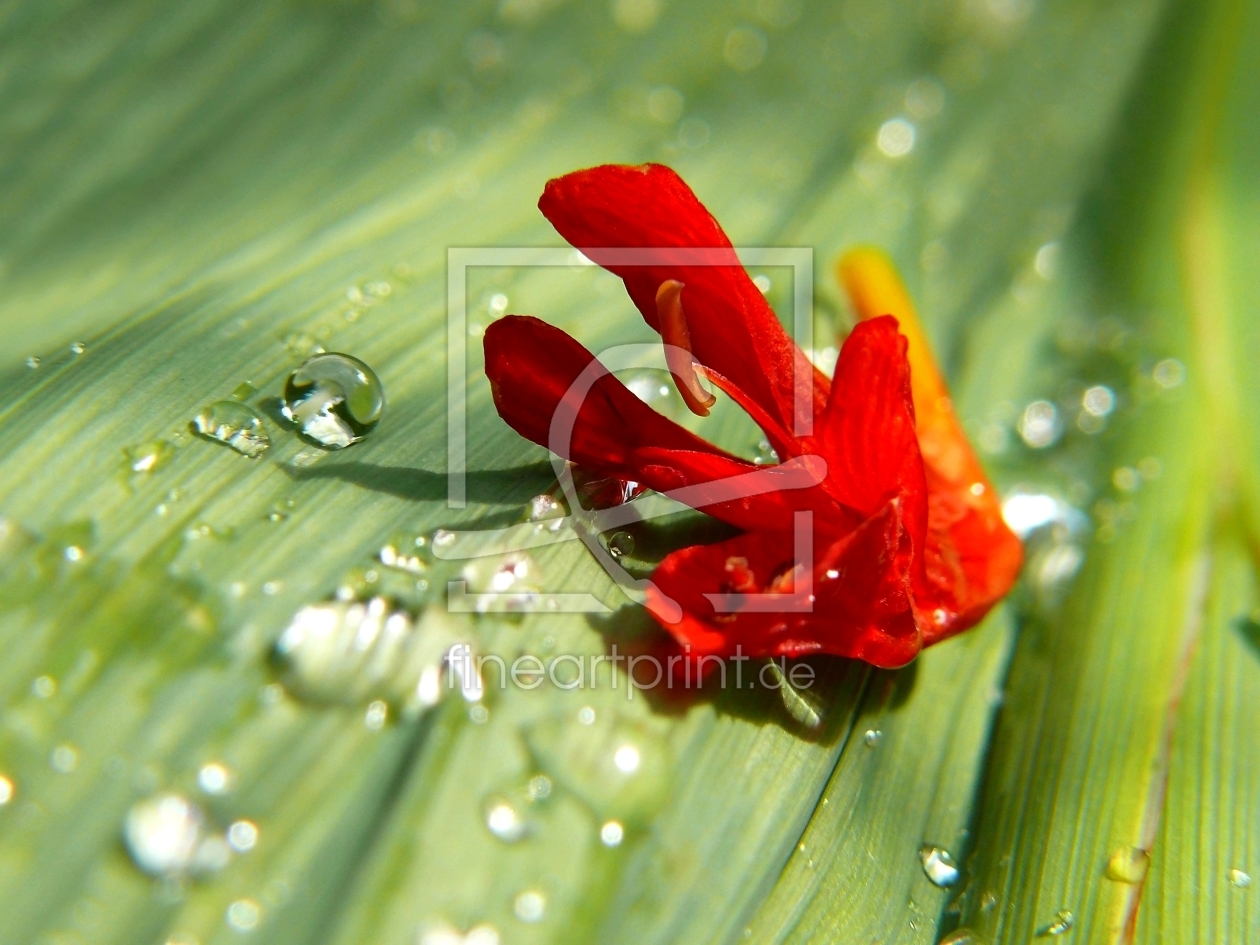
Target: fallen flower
x=897 y=540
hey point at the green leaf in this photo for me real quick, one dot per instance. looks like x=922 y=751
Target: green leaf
x=199 y=197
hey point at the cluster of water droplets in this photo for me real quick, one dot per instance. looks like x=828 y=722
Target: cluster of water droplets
x=377 y=654
x=234 y=424
x=171 y=837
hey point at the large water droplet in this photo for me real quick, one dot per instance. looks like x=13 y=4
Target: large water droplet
x=1128 y=865
x=621 y=545
x=872 y=737
x=165 y=836
x=1239 y=878
x=938 y=865
x=1060 y=925
x=335 y=399
x=234 y=424
x=353 y=652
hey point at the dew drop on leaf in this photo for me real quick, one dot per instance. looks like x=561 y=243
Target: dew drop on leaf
x=505 y=820
x=334 y=399
x=544 y=508
x=530 y=906
x=611 y=834
x=166 y=836
x=233 y=424
x=148 y=457
x=1239 y=878
x=1061 y=925
x=1128 y=865
x=243 y=915
x=621 y=545
x=938 y=865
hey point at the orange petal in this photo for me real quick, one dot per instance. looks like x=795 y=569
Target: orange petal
x=972 y=558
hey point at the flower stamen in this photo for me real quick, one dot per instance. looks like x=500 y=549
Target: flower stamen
x=677 y=338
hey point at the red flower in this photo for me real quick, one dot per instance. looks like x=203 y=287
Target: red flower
x=908 y=542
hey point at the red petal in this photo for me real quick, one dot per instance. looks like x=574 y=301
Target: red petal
x=864 y=612
x=868 y=434
x=733 y=329
x=532 y=366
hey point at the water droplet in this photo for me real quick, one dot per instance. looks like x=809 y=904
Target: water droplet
x=165 y=837
x=77 y=348
x=45 y=687
x=539 y=787
x=1239 y=878
x=896 y=137
x=530 y=906
x=64 y=759
x=626 y=758
x=872 y=737
x=621 y=544
x=586 y=715
x=33 y=362
x=148 y=457
x=1128 y=865
x=395 y=554
x=544 y=507
x=611 y=834
x=507 y=584
x=504 y=821
x=73 y=553
x=335 y=399
x=375 y=716
x=766 y=454
x=962 y=937
x=234 y=424
x=244 y=915
x=1169 y=373
x=498 y=304
x=1098 y=400
x=1039 y=424
x=214 y=778
x=7 y=789
x=479 y=715
x=938 y=865
x=1061 y=924
x=242 y=836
